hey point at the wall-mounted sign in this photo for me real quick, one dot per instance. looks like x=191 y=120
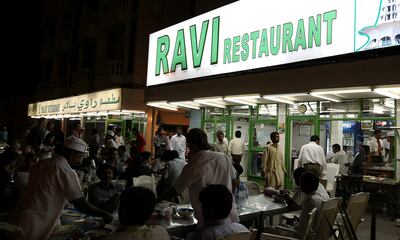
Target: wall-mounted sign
x=99 y=101
x=254 y=34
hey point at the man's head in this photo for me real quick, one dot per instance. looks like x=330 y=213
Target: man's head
x=50 y=126
x=314 y=138
x=216 y=202
x=74 y=150
x=309 y=182
x=335 y=148
x=197 y=140
x=390 y=137
x=42 y=122
x=110 y=135
x=377 y=133
x=105 y=173
x=136 y=206
x=179 y=131
x=274 y=137
x=220 y=136
x=122 y=149
x=297 y=175
x=238 y=134
x=161 y=131
x=113 y=155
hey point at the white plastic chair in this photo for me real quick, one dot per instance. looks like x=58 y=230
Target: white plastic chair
x=148 y=182
x=332 y=172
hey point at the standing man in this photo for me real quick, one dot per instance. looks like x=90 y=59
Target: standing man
x=51 y=183
x=340 y=157
x=312 y=158
x=77 y=130
x=376 y=147
x=161 y=142
x=220 y=145
x=237 y=147
x=204 y=168
x=178 y=143
x=273 y=167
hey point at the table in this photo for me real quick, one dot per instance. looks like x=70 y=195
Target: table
x=380 y=171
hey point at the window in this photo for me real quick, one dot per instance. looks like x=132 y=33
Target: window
x=380 y=107
x=386 y=41
x=347 y=109
x=267 y=111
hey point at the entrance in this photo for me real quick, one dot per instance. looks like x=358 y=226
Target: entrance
x=300 y=129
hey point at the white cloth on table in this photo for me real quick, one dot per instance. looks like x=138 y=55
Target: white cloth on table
x=178 y=143
x=139 y=232
x=204 y=168
x=313 y=153
x=51 y=183
x=218 y=229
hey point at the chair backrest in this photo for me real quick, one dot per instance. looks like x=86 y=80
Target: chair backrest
x=145 y=181
x=310 y=223
x=332 y=172
x=242 y=236
x=356 y=208
x=326 y=218
x=252 y=187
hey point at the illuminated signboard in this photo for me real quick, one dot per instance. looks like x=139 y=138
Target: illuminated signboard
x=254 y=34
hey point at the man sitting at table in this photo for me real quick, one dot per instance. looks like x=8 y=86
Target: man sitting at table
x=105 y=194
x=216 y=204
x=136 y=206
x=51 y=183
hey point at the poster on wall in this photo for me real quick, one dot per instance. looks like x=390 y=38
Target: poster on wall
x=305 y=130
x=255 y=34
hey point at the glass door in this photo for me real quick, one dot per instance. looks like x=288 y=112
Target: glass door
x=211 y=127
x=300 y=129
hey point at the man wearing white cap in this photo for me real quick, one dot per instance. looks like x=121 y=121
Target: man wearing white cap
x=52 y=182
x=388 y=144
x=110 y=142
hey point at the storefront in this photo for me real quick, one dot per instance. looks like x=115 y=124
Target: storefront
x=329 y=70
x=120 y=107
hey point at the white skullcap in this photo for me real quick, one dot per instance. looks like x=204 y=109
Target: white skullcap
x=75 y=143
x=111 y=133
x=390 y=134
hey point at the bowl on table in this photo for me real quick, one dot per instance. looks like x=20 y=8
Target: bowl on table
x=185 y=212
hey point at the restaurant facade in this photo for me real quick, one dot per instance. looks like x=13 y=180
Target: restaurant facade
x=329 y=70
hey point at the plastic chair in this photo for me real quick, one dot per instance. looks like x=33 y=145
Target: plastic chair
x=332 y=172
x=242 y=236
x=355 y=210
x=325 y=220
x=145 y=181
x=292 y=234
x=252 y=187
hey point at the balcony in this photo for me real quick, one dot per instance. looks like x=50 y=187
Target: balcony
x=88 y=28
x=115 y=12
x=109 y=73
x=83 y=78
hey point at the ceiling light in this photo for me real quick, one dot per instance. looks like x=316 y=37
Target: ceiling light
x=213 y=102
x=388 y=92
x=338 y=91
x=186 y=104
x=241 y=101
x=326 y=97
x=278 y=99
x=164 y=105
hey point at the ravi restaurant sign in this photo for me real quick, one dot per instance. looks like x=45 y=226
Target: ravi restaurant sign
x=252 y=34
x=99 y=101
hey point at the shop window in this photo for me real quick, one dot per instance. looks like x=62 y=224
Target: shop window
x=267 y=111
x=261 y=134
x=380 y=107
x=243 y=111
x=348 y=109
x=303 y=109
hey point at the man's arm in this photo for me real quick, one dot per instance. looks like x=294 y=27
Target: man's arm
x=84 y=206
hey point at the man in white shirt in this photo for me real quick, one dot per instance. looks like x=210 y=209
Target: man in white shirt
x=376 y=147
x=51 y=183
x=221 y=145
x=178 y=143
x=237 y=147
x=204 y=167
x=340 y=157
x=312 y=158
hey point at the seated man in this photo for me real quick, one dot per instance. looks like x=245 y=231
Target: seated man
x=309 y=185
x=138 y=168
x=105 y=194
x=216 y=204
x=136 y=206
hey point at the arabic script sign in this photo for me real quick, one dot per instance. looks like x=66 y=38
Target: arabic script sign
x=99 y=101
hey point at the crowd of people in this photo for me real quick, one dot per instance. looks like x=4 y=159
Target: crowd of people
x=41 y=176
